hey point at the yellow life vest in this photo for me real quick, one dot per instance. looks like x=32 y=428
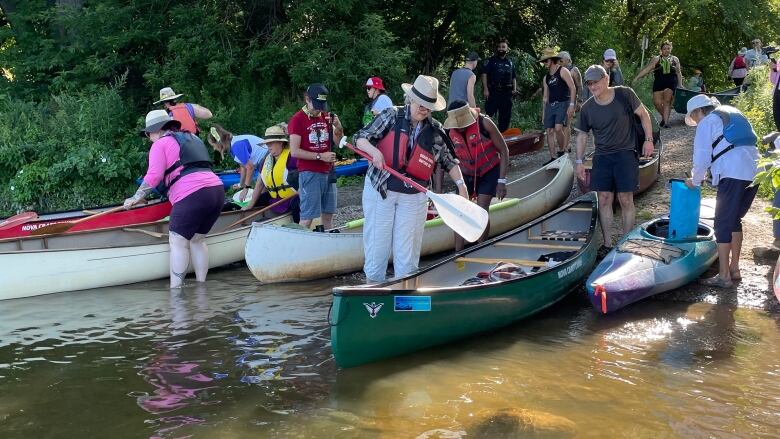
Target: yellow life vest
x=273 y=175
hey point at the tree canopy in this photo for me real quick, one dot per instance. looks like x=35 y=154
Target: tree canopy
x=249 y=61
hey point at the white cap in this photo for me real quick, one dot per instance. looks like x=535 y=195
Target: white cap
x=610 y=54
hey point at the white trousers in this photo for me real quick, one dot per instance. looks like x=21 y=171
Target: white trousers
x=395 y=224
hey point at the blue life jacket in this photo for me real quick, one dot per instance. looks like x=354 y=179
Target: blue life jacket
x=736 y=130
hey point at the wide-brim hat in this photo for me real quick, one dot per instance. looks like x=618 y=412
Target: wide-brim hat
x=425 y=91
x=549 y=53
x=696 y=102
x=460 y=117
x=167 y=94
x=157 y=120
x=275 y=134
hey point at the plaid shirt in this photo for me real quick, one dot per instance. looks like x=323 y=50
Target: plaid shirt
x=381 y=126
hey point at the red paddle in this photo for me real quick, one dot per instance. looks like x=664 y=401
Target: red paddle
x=21 y=218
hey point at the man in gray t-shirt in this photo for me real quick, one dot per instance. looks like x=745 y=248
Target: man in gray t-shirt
x=609 y=113
x=462 y=81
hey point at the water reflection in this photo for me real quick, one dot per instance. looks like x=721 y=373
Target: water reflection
x=235 y=359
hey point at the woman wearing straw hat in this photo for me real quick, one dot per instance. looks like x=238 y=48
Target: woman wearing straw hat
x=181 y=162
x=483 y=156
x=410 y=141
x=278 y=176
x=186 y=113
x=248 y=152
x=731 y=155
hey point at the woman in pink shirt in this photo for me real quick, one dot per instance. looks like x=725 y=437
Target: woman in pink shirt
x=181 y=162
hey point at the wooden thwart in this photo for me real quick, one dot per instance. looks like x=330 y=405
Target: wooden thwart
x=146 y=232
x=525 y=262
x=542 y=246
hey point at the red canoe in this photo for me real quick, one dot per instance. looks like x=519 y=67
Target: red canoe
x=150 y=212
x=523 y=143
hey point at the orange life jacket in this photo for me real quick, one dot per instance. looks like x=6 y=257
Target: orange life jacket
x=476 y=152
x=185 y=114
x=419 y=163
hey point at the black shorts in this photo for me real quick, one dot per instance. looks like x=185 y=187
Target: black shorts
x=661 y=84
x=485 y=185
x=615 y=172
x=732 y=203
x=197 y=212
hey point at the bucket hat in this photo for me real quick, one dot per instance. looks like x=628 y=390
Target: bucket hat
x=157 y=120
x=695 y=103
x=459 y=117
x=167 y=94
x=375 y=82
x=425 y=91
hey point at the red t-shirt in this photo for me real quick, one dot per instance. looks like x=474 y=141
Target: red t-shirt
x=315 y=137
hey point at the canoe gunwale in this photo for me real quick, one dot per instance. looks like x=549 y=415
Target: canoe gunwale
x=383 y=290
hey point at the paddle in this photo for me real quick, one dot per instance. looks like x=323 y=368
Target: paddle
x=467 y=219
x=67 y=225
x=20 y=218
x=257 y=213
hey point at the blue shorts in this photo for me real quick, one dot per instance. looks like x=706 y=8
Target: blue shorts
x=485 y=185
x=615 y=172
x=317 y=194
x=732 y=204
x=555 y=114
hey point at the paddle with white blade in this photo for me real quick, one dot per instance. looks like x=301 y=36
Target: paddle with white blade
x=465 y=218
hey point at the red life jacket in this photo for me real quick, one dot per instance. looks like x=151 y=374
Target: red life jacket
x=739 y=62
x=186 y=116
x=476 y=152
x=420 y=163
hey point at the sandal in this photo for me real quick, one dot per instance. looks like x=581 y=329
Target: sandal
x=717 y=282
x=736 y=276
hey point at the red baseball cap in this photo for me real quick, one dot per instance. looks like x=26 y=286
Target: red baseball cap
x=375 y=82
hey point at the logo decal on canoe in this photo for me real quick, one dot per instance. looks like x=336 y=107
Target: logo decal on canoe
x=570 y=269
x=412 y=303
x=373 y=308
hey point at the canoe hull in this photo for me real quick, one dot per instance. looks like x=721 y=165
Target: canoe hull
x=682 y=95
x=386 y=320
x=330 y=254
x=524 y=143
x=142 y=214
x=34 y=270
x=623 y=278
x=358 y=167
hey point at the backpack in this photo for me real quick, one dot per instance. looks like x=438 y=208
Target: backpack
x=739 y=62
x=736 y=130
x=639 y=131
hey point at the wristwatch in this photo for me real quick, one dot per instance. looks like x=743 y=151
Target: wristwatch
x=578 y=162
x=246 y=186
x=318 y=156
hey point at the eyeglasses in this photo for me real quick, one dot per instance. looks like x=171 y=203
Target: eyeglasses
x=611 y=61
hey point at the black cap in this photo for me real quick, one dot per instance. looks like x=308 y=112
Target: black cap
x=472 y=56
x=319 y=96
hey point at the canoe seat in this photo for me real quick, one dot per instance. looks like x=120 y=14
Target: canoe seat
x=525 y=262
x=560 y=235
x=575 y=246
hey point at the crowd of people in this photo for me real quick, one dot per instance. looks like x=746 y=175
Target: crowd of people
x=295 y=159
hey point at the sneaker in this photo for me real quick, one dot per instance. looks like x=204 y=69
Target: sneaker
x=548 y=162
x=717 y=282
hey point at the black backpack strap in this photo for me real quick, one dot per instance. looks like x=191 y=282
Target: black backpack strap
x=399 y=120
x=725 y=150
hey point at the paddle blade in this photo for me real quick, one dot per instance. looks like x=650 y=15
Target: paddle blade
x=15 y=220
x=52 y=228
x=465 y=218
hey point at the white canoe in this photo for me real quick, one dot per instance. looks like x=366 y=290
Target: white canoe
x=32 y=266
x=282 y=254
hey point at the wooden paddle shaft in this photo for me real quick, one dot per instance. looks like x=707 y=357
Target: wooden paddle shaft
x=67 y=225
x=258 y=212
x=392 y=171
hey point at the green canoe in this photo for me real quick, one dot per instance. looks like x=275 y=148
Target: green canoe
x=682 y=95
x=432 y=306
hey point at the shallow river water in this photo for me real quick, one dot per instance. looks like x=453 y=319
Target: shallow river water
x=232 y=359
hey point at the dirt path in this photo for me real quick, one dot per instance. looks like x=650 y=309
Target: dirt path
x=757 y=261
